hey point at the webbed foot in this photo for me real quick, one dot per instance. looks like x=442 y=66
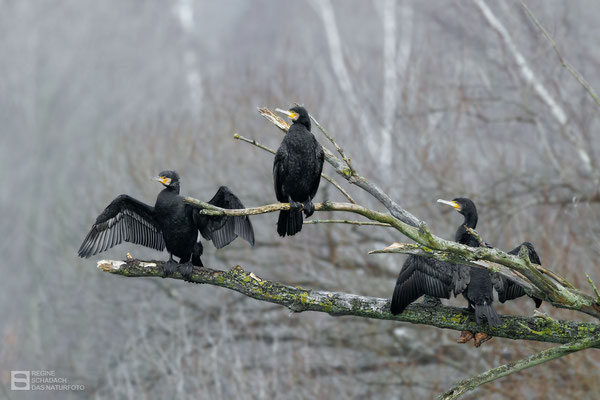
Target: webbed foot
x=465 y=336
x=481 y=338
x=295 y=206
x=186 y=270
x=170 y=267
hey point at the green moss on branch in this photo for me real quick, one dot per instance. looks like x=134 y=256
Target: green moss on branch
x=339 y=304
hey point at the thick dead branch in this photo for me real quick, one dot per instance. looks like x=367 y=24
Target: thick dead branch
x=591 y=340
x=338 y=304
x=540 y=285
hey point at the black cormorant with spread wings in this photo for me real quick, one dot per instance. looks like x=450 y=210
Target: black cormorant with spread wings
x=426 y=276
x=297 y=171
x=171 y=223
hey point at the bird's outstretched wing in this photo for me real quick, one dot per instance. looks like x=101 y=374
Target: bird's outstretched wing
x=422 y=276
x=222 y=230
x=125 y=219
x=508 y=289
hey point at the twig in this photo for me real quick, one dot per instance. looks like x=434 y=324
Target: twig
x=299 y=299
x=337 y=147
x=593 y=287
x=338 y=187
x=345 y=221
x=592 y=340
x=323 y=175
x=582 y=81
x=476 y=235
x=253 y=142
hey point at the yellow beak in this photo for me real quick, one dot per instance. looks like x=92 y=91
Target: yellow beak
x=450 y=203
x=292 y=115
x=161 y=179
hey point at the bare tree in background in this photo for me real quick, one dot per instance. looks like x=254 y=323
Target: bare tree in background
x=95 y=99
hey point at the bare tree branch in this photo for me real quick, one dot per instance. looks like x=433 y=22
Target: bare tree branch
x=582 y=81
x=345 y=221
x=539 y=285
x=462 y=387
x=337 y=304
x=530 y=77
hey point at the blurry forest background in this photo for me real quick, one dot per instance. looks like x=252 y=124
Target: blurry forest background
x=426 y=97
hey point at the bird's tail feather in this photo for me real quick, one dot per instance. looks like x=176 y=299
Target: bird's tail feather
x=397 y=306
x=196 y=253
x=487 y=311
x=289 y=222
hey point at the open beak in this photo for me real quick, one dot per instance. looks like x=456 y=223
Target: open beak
x=450 y=203
x=290 y=114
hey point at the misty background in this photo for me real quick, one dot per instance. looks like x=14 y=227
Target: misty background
x=428 y=100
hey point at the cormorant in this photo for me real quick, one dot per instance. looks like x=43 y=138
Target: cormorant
x=297 y=171
x=426 y=276
x=171 y=223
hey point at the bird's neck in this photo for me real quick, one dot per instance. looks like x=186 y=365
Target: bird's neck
x=303 y=122
x=172 y=189
x=464 y=237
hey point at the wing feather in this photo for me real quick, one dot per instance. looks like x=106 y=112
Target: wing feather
x=507 y=288
x=125 y=219
x=222 y=230
x=422 y=276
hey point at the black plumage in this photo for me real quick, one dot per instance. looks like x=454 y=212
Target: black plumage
x=508 y=289
x=171 y=223
x=426 y=276
x=297 y=172
x=478 y=290
x=422 y=276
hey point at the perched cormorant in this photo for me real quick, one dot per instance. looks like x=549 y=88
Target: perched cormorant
x=171 y=223
x=426 y=276
x=478 y=288
x=297 y=171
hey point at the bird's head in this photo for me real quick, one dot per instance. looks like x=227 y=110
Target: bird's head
x=461 y=204
x=168 y=178
x=297 y=114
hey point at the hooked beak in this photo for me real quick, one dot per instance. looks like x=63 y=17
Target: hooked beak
x=450 y=203
x=161 y=179
x=290 y=114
